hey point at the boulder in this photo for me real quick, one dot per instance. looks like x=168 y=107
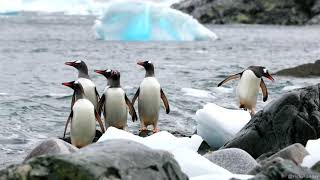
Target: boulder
x=295 y=152
x=235 y=160
x=114 y=159
x=51 y=146
x=279 y=168
x=282 y=12
x=316 y=167
x=304 y=70
x=293 y=118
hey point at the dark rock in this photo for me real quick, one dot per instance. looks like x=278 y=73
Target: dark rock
x=51 y=146
x=68 y=138
x=293 y=118
x=316 y=167
x=114 y=159
x=305 y=70
x=204 y=148
x=282 y=12
x=295 y=152
x=283 y=169
x=315 y=20
x=235 y=160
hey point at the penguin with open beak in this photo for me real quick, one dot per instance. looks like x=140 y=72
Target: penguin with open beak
x=90 y=90
x=83 y=117
x=114 y=102
x=248 y=87
x=149 y=94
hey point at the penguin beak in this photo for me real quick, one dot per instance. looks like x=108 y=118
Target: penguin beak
x=99 y=71
x=270 y=77
x=70 y=63
x=68 y=84
x=141 y=63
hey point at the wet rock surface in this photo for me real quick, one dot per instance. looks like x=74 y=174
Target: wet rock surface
x=293 y=118
x=304 y=70
x=114 y=159
x=283 y=12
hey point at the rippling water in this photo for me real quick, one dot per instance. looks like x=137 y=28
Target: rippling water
x=33 y=48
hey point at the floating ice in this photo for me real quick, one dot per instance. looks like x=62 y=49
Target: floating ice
x=143 y=21
x=313 y=147
x=196 y=93
x=222 y=177
x=216 y=125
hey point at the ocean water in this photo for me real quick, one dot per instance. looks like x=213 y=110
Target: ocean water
x=34 y=46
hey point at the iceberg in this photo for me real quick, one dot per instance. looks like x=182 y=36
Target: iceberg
x=143 y=21
x=217 y=125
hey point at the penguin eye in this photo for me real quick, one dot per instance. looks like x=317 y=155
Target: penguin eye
x=265 y=70
x=78 y=61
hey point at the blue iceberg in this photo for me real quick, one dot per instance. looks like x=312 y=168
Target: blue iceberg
x=143 y=21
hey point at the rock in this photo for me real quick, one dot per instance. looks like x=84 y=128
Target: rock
x=282 y=12
x=304 y=70
x=295 y=152
x=316 y=167
x=68 y=138
x=283 y=169
x=315 y=20
x=235 y=160
x=114 y=159
x=293 y=118
x=51 y=146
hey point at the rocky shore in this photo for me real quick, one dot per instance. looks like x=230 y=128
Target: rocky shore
x=304 y=70
x=279 y=142
x=281 y=12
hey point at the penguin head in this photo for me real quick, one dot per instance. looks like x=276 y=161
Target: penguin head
x=148 y=66
x=115 y=75
x=106 y=73
x=261 y=71
x=78 y=64
x=75 y=85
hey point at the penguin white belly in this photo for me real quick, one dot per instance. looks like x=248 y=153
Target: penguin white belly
x=116 y=111
x=248 y=89
x=149 y=101
x=83 y=125
x=89 y=89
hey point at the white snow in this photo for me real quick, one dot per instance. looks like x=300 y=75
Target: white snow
x=143 y=21
x=313 y=147
x=216 y=125
x=222 y=177
x=196 y=93
x=184 y=150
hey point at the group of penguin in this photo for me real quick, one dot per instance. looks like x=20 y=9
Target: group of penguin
x=87 y=106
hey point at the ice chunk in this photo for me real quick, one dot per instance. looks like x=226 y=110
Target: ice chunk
x=144 y=21
x=197 y=93
x=222 y=177
x=216 y=125
x=313 y=147
x=162 y=140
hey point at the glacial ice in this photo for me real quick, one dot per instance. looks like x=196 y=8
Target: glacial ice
x=313 y=147
x=216 y=125
x=141 y=20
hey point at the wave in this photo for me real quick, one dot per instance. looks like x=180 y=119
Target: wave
x=144 y=21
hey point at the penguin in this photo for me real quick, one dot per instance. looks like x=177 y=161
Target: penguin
x=114 y=102
x=83 y=117
x=248 y=87
x=149 y=94
x=90 y=90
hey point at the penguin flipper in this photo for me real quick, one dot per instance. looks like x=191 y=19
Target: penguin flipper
x=165 y=101
x=264 y=90
x=131 y=108
x=135 y=96
x=73 y=99
x=66 y=126
x=101 y=104
x=97 y=94
x=235 y=76
x=99 y=121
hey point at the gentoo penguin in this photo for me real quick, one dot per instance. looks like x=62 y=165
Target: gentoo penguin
x=248 y=87
x=83 y=117
x=90 y=90
x=114 y=102
x=149 y=94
